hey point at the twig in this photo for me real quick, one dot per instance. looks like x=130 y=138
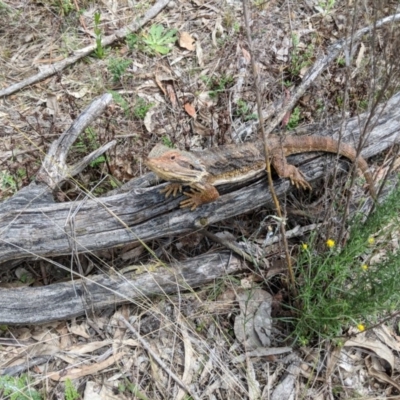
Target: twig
x=57 y=67
x=228 y=245
x=321 y=64
x=160 y=362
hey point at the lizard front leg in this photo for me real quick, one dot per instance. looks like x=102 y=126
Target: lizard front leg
x=200 y=193
x=285 y=170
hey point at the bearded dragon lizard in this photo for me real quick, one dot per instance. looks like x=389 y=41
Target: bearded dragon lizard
x=203 y=170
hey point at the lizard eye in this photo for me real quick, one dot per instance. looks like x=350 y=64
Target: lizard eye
x=172 y=157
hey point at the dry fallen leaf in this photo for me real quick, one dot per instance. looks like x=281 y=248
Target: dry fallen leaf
x=373 y=345
x=160 y=84
x=75 y=373
x=190 y=110
x=186 y=41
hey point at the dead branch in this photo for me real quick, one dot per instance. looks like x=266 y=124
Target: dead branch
x=59 y=66
x=33 y=225
x=70 y=299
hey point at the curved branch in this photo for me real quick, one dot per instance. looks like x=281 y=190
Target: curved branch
x=59 y=66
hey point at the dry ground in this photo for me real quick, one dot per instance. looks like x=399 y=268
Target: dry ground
x=196 y=96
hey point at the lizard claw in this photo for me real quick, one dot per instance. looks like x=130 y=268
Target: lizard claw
x=193 y=201
x=172 y=188
x=300 y=183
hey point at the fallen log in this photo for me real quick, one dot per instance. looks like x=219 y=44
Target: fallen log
x=34 y=226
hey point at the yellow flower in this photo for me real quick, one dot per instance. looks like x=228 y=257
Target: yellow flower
x=364 y=267
x=304 y=246
x=330 y=243
x=361 y=327
x=371 y=240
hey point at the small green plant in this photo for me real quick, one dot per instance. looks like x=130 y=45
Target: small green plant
x=243 y=110
x=141 y=107
x=66 y=6
x=120 y=101
x=14 y=388
x=294 y=119
x=341 y=61
x=167 y=142
x=70 y=392
x=236 y=27
x=89 y=143
x=217 y=85
x=117 y=67
x=158 y=40
x=300 y=59
x=7 y=182
x=99 y=51
x=341 y=288
x=325 y=6
x=132 y=40
x=132 y=389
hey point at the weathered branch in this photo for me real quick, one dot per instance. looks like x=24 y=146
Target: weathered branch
x=70 y=299
x=54 y=169
x=106 y=41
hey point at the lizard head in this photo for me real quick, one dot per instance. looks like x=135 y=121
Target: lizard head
x=177 y=166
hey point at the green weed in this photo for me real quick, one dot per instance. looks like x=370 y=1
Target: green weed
x=294 y=119
x=325 y=6
x=118 y=99
x=99 y=51
x=300 y=59
x=217 y=85
x=132 y=389
x=243 y=110
x=341 y=288
x=7 y=182
x=88 y=143
x=70 y=392
x=167 y=142
x=341 y=61
x=141 y=107
x=117 y=67
x=132 y=40
x=158 y=40
x=14 y=388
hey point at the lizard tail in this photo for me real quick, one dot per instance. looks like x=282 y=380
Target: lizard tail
x=332 y=146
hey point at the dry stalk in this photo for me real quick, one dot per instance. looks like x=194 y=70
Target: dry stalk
x=160 y=362
x=266 y=149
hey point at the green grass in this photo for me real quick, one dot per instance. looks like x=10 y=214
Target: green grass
x=340 y=288
x=141 y=108
x=300 y=58
x=294 y=119
x=243 y=110
x=217 y=85
x=17 y=388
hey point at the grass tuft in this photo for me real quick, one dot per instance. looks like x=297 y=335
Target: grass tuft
x=342 y=287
